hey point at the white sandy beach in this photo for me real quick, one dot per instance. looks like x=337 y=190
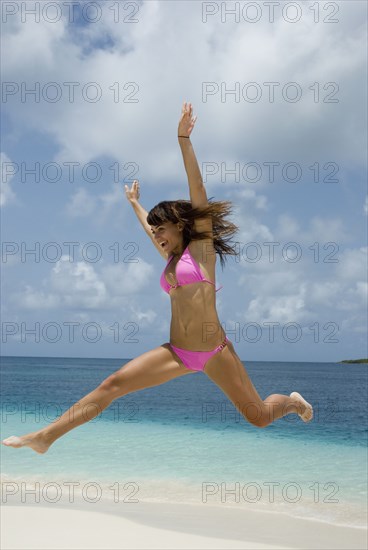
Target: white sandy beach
x=106 y=525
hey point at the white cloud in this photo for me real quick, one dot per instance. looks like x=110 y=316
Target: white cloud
x=250 y=229
x=99 y=208
x=321 y=230
x=144 y=317
x=352 y=265
x=288 y=228
x=81 y=204
x=306 y=53
x=260 y=201
x=127 y=278
x=227 y=132
x=73 y=285
x=281 y=309
x=278 y=290
x=254 y=231
x=7 y=195
x=324 y=293
x=365 y=207
x=113 y=199
x=77 y=284
x=355 y=296
x=301 y=291
x=33 y=299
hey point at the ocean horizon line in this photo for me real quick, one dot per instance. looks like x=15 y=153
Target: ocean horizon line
x=134 y=357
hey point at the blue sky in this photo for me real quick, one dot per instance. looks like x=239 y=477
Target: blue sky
x=159 y=54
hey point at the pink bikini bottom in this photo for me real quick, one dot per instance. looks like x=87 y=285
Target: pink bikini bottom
x=196 y=360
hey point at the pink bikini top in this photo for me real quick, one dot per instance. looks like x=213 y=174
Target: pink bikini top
x=187 y=271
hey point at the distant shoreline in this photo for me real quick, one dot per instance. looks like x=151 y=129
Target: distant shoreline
x=354 y=361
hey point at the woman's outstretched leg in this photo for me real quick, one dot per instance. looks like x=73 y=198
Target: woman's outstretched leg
x=227 y=371
x=279 y=405
x=84 y=410
x=149 y=369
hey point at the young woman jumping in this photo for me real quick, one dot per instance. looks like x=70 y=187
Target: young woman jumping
x=188 y=235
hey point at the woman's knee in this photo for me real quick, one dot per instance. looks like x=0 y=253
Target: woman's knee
x=256 y=414
x=114 y=385
x=260 y=423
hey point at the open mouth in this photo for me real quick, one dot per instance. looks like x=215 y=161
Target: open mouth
x=163 y=244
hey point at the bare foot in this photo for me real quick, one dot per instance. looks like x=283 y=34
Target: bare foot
x=307 y=413
x=35 y=440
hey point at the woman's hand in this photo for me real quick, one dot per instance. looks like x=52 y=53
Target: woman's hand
x=187 y=121
x=132 y=194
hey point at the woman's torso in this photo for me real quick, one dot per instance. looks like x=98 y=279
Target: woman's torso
x=195 y=324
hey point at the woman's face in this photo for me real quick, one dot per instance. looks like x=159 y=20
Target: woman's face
x=169 y=236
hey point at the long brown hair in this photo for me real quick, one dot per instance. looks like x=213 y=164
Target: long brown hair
x=182 y=211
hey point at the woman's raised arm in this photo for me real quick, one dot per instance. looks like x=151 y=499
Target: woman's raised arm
x=133 y=197
x=197 y=190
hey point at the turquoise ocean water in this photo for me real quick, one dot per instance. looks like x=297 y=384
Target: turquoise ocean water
x=184 y=441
